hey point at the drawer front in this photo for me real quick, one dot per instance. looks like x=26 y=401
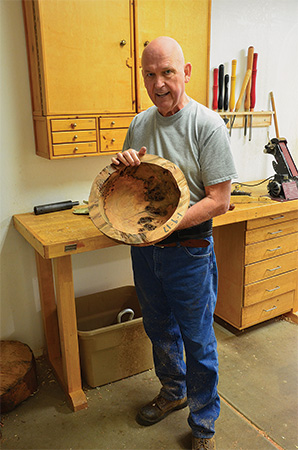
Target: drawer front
x=73 y=136
x=271 y=248
x=265 y=289
x=115 y=122
x=73 y=124
x=112 y=140
x=276 y=218
x=271 y=231
x=270 y=267
x=74 y=149
x=266 y=310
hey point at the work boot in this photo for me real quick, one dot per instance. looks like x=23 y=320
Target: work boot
x=203 y=444
x=158 y=409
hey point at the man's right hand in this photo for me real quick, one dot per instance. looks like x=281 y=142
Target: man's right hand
x=129 y=157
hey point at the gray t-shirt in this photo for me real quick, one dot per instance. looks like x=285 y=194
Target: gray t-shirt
x=195 y=139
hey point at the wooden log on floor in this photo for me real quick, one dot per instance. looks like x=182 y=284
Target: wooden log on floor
x=18 y=379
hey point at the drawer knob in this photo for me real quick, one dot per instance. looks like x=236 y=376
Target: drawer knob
x=123 y=42
x=74 y=125
x=113 y=123
x=271 y=309
x=75 y=136
x=76 y=149
x=113 y=140
x=146 y=43
x=274 y=289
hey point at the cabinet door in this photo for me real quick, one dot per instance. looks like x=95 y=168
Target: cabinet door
x=86 y=56
x=187 y=21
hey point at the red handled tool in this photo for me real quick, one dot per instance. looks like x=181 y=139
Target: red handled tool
x=215 y=87
x=253 y=90
x=250 y=56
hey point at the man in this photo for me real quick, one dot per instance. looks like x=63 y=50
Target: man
x=176 y=279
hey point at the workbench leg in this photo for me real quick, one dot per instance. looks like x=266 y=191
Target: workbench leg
x=48 y=306
x=68 y=331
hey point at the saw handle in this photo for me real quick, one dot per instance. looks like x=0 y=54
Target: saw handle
x=220 y=86
x=253 y=82
x=215 y=86
x=244 y=84
x=250 y=56
x=233 y=82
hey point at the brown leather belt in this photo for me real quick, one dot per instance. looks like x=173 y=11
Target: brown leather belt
x=188 y=243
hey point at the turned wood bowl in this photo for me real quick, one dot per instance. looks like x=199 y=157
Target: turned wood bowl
x=139 y=205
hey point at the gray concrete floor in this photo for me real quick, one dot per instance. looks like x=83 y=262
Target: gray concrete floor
x=258 y=388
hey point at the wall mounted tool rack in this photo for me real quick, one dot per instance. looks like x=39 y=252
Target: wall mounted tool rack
x=259 y=118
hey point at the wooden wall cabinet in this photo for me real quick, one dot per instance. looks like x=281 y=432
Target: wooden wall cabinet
x=257 y=262
x=84 y=64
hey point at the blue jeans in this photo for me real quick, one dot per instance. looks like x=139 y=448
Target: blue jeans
x=177 y=289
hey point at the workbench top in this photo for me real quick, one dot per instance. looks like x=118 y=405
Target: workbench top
x=62 y=233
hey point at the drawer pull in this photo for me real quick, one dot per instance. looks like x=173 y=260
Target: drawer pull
x=113 y=123
x=74 y=125
x=274 y=289
x=277 y=218
x=273 y=249
x=76 y=149
x=75 y=137
x=113 y=140
x=271 y=309
x=275 y=268
x=276 y=232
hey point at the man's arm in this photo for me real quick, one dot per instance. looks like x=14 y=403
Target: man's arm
x=216 y=202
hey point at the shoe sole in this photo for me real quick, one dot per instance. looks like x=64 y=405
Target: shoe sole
x=141 y=420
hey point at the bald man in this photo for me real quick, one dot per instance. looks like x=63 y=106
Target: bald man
x=176 y=279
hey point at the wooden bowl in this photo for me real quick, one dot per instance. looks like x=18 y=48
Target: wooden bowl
x=139 y=205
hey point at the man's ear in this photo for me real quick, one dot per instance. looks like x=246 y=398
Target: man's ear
x=187 y=72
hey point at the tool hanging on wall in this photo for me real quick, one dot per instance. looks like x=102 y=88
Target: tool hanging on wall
x=220 y=87
x=250 y=56
x=239 y=101
x=274 y=116
x=226 y=92
x=253 y=91
x=233 y=83
x=215 y=88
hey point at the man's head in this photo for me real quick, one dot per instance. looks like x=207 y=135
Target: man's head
x=165 y=74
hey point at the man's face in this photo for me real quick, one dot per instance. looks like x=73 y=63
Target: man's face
x=165 y=76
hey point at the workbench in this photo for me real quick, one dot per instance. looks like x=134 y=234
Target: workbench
x=56 y=237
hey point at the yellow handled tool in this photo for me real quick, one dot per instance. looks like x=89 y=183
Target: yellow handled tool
x=233 y=82
x=239 y=101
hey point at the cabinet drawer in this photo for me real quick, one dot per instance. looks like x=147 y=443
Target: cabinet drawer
x=270 y=267
x=271 y=248
x=271 y=231
x=265 y=289
x=74 y=149
x=112 y=140
x=73 y=124
x=276 y=218
x=115 y=122
x=62 y=137
x=267 y=309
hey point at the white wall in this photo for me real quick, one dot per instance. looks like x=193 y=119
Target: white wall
x=28 y=180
